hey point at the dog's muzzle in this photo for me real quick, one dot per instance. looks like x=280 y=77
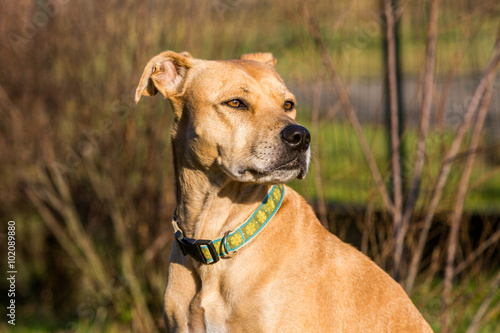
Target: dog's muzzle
x=277 y=159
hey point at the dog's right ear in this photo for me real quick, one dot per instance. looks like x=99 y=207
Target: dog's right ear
x=164 y=73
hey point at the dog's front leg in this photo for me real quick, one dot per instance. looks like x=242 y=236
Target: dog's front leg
x=179 y=293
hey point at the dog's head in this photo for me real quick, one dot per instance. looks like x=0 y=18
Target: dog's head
x=232 y=116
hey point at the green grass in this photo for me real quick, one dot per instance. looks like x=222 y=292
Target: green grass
x=467 y=294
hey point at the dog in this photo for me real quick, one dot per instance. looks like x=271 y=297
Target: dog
x=250 y=254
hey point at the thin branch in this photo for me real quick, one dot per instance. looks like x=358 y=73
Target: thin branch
x=161 y=242
x=57 y=230
x=323 y=217
x=492 y=240
x=492 y=315
x=487 y=175
x=313 y=27
x=475 y=323
x=366 y=227
x=443 y=98
x=459 y=206
x=425 y=115
x=484 y=85
x=395 y=139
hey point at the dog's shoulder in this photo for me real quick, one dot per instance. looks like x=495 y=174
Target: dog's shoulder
x=360 y=284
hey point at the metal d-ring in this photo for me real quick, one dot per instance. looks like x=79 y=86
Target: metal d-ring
x=224 y=244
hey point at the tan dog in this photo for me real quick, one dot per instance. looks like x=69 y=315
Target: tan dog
x=234 y=135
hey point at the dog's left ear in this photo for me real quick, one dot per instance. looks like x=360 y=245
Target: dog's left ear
x=264 y=57
x=164 y=74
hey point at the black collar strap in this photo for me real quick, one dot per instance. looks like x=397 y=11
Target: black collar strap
x=210 y=251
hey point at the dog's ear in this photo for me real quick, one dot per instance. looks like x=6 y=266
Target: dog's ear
x=164 y=74
x=264 y=57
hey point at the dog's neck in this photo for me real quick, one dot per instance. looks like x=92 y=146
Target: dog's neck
x=209 y=203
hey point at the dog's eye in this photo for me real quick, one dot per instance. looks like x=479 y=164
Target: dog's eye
x=236 y=103
x=289 y=105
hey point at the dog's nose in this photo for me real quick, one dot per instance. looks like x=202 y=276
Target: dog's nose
x=296 y=137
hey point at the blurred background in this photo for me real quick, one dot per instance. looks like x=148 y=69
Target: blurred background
x=400 y=98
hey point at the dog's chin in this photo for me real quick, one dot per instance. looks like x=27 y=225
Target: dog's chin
x=274 y=175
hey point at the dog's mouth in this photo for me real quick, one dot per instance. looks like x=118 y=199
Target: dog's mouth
x=293 y=165
x=296 y=167
x=289 y=165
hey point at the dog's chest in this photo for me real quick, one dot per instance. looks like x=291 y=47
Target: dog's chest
x=214 y=312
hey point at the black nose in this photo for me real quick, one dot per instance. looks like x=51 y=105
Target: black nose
x=296 y=137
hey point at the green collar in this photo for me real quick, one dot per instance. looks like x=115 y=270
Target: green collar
x=210 y=251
